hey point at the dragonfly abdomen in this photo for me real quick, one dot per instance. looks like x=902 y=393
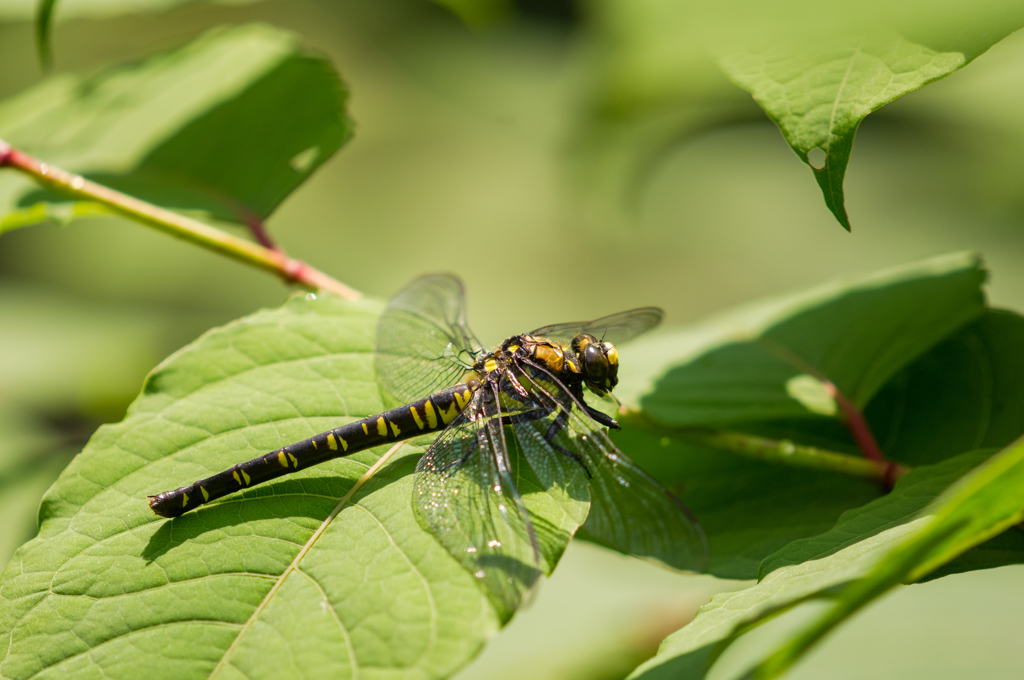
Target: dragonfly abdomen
x=429 y=414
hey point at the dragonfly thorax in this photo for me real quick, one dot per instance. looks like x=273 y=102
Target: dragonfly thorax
x=585 y=360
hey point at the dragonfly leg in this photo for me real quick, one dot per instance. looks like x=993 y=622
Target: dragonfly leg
x=462 y=459
x=601 y=418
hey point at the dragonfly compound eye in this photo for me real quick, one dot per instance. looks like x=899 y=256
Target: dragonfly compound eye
x=595 y=365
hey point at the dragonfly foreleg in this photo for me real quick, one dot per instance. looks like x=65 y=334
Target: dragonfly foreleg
x=601 y=418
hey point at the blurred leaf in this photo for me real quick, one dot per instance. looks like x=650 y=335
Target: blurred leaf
x=44 y=15
x=984 y=503
x=688 y=653
x=108 y=588
x=25 y=10
x=228 y=125
x=31 y=457
x=754 y=363
x=479 y=12
x=66 y=356
x=912 y=493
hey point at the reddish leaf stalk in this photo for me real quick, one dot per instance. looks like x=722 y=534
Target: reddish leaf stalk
x=855 y=422
x=862 y=434
x=264 y=257
x=258 y=229
x=852 y=417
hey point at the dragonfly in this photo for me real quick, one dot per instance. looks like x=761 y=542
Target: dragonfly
x=512 y=417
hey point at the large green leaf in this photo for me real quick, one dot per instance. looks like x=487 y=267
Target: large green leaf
x=266 y=583
x=228 y=125
x=763 y=361
x=984 y=503
x=966 y=393
x=737 y=370
x=819 y=90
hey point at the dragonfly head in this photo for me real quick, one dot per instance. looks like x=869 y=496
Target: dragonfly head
x=599 y=362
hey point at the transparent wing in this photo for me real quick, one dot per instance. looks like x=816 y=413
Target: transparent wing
x=615 y=329
x=465 y=490
x=423 y=342
x=630 y=511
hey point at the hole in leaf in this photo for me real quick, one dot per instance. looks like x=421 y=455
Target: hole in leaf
x=810 y=392
x=304 y=160
x=817 y=157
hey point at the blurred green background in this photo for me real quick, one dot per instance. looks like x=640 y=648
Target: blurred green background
x=511 y=149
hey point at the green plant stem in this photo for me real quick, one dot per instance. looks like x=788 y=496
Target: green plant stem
x=797 y=455
x=175 y=224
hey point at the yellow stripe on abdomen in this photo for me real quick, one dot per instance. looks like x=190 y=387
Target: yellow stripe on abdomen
x=416 y=416
x=428 y=408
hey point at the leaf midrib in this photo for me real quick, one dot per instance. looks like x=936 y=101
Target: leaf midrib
x=294 y=566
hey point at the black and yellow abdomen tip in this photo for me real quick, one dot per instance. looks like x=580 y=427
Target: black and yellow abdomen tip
x=167 y=504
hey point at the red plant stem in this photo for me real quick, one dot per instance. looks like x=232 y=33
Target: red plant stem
x=175 y=224
x=862 y=434
x=258 y=229
x=855 y=422
x=852 y=417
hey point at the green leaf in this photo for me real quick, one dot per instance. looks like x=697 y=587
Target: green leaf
x=818 y=92
x=212 y=127
x=756 y=363
x=688 y=653
x=44 y=15
x=982 y=504
x=749 y=509
x=912 y=493
x=261 y=583
x=748 y=370
x=966 y=393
